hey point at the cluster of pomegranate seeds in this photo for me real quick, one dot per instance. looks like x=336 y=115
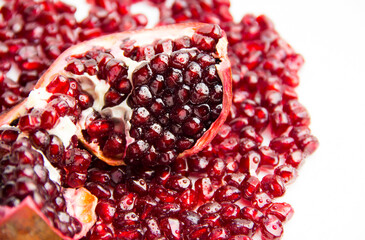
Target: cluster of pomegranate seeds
x=175 y=94
x=227 y=191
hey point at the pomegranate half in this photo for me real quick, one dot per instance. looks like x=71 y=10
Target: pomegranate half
x=145 y=96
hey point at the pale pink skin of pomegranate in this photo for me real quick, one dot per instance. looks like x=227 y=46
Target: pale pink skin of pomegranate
x=113 y=41
x=73 y=197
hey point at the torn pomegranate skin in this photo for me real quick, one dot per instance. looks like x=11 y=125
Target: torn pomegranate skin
x=155 y=202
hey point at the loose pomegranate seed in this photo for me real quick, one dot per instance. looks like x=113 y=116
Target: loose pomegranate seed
x=178 y=183
x=295 y=158
x=283 y=211
x=204 y=188
x=252 y=213
x=227 y=193
x=235 y=179
x=242 y=226
x=250 y=186
x=188 y=199
x=261 y=200
x=287 y=173
x=153 y=229
x=272 y=227
x=280 y=122
x=268 y=157
x=250 y=161
x=230 y=211
x=209 y=208
x=213 y=220
x=171 y=227
x=282 y=144
x=273 y=185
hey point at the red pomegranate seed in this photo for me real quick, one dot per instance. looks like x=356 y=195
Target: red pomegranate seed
x=99 y=128
x=241 y=226
x=261 y=200
x=295 y=158
x=283 y=211
x=271 y=228
x=250 y=186
x=287 y=173
x=101 y=231
x=153 y=229
x=106 y=210
x=273 y=185
x=250 y=162
x=188 y=199
x=268 y=157
x=99 y=189
x=59 y=84
x=204 y=188
x=171 y=227
x=213 y=220
x=205 y=43
x=252 y=214
x=282 y=144
x=230 y=211
x=235 y=179
x=219 y=233
x=227 y=194
x=209 y=208
x=126 y=202
x=280 y=122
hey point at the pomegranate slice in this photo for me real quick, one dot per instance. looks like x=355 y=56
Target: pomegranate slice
x=139 y=97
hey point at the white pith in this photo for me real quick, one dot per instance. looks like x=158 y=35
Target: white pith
x=54 y=174
x=95 y=87
x=64 y=129
x=81 y=204
x=38 y=97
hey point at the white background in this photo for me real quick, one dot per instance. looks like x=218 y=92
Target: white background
x=328 y=196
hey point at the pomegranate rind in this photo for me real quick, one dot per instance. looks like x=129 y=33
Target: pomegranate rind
x=26 y=221
x=144 y=36
x=224 y=72
x=14 y=113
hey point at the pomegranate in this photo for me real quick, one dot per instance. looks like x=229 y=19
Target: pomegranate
x=141 y=97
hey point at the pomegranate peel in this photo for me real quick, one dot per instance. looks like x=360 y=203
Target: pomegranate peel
x=170 y=144
x=26 y=221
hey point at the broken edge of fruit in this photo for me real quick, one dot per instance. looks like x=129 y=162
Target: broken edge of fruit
x=27 y=222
